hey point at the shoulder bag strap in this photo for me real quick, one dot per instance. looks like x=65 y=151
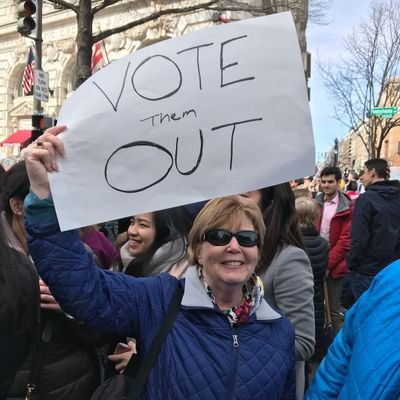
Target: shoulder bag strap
x=327 y=305
x=140 y=373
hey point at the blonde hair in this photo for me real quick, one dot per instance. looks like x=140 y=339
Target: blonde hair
x=302 y=192
x=307 y=212
x=222 y=211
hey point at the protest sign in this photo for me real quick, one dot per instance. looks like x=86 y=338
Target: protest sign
x=215 y=112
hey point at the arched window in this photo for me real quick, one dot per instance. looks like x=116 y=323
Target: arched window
x=71 y=80
x=18 y=92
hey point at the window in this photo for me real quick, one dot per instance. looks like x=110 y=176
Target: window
x=18 y=88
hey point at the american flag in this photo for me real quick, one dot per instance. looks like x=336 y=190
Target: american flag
x=97 y=57
x=27 y=78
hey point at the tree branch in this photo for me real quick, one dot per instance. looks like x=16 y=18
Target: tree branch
x=151 y=17
x=103 y=5
x=64 y=4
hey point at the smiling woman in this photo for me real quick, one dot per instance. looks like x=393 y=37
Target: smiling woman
x=226 y=341
x=156 y=243
x=224 y=243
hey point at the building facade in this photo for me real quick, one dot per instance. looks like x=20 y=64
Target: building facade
x=59 y=48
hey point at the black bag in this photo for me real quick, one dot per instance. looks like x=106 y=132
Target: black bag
x=114 y=388
x=129 y=385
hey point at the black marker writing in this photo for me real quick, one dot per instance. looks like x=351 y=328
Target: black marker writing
x=233 y=133
x=197 y=58
x=160 y=118
x=224 y=67
x=198 y=158
x=168 y=71
x=115 y=107
x=172 y=92
x=136 y=144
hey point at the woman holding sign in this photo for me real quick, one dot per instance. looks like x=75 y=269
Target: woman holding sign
x=225 y=343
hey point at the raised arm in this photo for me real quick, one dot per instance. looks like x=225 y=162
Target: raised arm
x=108 y=301
x=40 y=158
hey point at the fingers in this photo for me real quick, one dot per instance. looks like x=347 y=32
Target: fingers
x=50 y=136
x=47 y=300
x=121 y=360
x=46 y=153
x=50 y=306
x=45 y=148
x=48 y=146
x=132 y=345
x=44 y=289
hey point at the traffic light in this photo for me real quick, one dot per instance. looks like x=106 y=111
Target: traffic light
x=26 y=24
x=37 y=125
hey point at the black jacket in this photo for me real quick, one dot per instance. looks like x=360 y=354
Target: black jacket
x=375 y=228
x=316 y=248
x=69 y=369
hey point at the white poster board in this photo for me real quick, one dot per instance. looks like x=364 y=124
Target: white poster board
x=215 y=112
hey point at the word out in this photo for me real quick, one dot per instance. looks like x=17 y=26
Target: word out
x=173 y=159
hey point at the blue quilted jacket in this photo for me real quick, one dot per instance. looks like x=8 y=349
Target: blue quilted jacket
x=363 y=362
x=202 y=357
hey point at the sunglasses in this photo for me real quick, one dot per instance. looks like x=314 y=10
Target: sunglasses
x=221 y=237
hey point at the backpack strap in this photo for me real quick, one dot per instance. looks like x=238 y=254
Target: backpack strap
x=141 y=372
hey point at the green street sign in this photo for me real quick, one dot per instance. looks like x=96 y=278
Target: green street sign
x=385 y=112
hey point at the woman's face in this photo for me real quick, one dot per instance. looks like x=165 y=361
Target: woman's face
x=142 y=234
x=225 y=267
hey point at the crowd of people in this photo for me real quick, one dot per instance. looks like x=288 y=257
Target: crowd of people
x=272 y=286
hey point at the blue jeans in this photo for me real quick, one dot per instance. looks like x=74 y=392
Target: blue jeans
x=359 y=283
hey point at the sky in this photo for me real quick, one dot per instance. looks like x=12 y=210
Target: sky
x=325 y=42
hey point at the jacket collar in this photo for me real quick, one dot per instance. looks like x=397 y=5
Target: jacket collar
x=343 y=202
x=195 y=296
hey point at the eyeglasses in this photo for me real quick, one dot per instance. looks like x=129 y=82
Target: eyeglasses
x=221 y=237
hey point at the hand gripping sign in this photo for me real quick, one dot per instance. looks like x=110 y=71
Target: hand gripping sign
x=215 y=112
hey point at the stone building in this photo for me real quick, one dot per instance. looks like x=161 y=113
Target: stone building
x=59 y=48
x=352 y=153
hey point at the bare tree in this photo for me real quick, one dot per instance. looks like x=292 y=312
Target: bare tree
x=86 y=11
x=367 y=76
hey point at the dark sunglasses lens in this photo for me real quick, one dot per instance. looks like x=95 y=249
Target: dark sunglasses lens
x=247 y=238
x=221 y=237
x=218 y=237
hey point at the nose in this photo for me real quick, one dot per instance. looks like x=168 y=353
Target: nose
x=234 y=245
x=132 y=230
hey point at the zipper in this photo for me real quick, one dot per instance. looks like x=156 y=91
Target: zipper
x=235 y=352
x=30 y=387
x=235 y=340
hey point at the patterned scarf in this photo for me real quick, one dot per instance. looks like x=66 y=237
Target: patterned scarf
x=253 y=293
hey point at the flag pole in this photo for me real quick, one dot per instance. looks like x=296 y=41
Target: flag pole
x=37 y=106
x=103 y=45
x=105 y=50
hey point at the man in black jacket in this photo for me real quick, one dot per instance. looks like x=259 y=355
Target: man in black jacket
x=375 y=230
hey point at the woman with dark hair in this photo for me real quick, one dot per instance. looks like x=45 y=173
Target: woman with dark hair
x=19 y=311
x=157 y=243
x=58 y=364
x=286 y=271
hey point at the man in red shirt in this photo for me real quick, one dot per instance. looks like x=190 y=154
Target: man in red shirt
x=334 y=226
